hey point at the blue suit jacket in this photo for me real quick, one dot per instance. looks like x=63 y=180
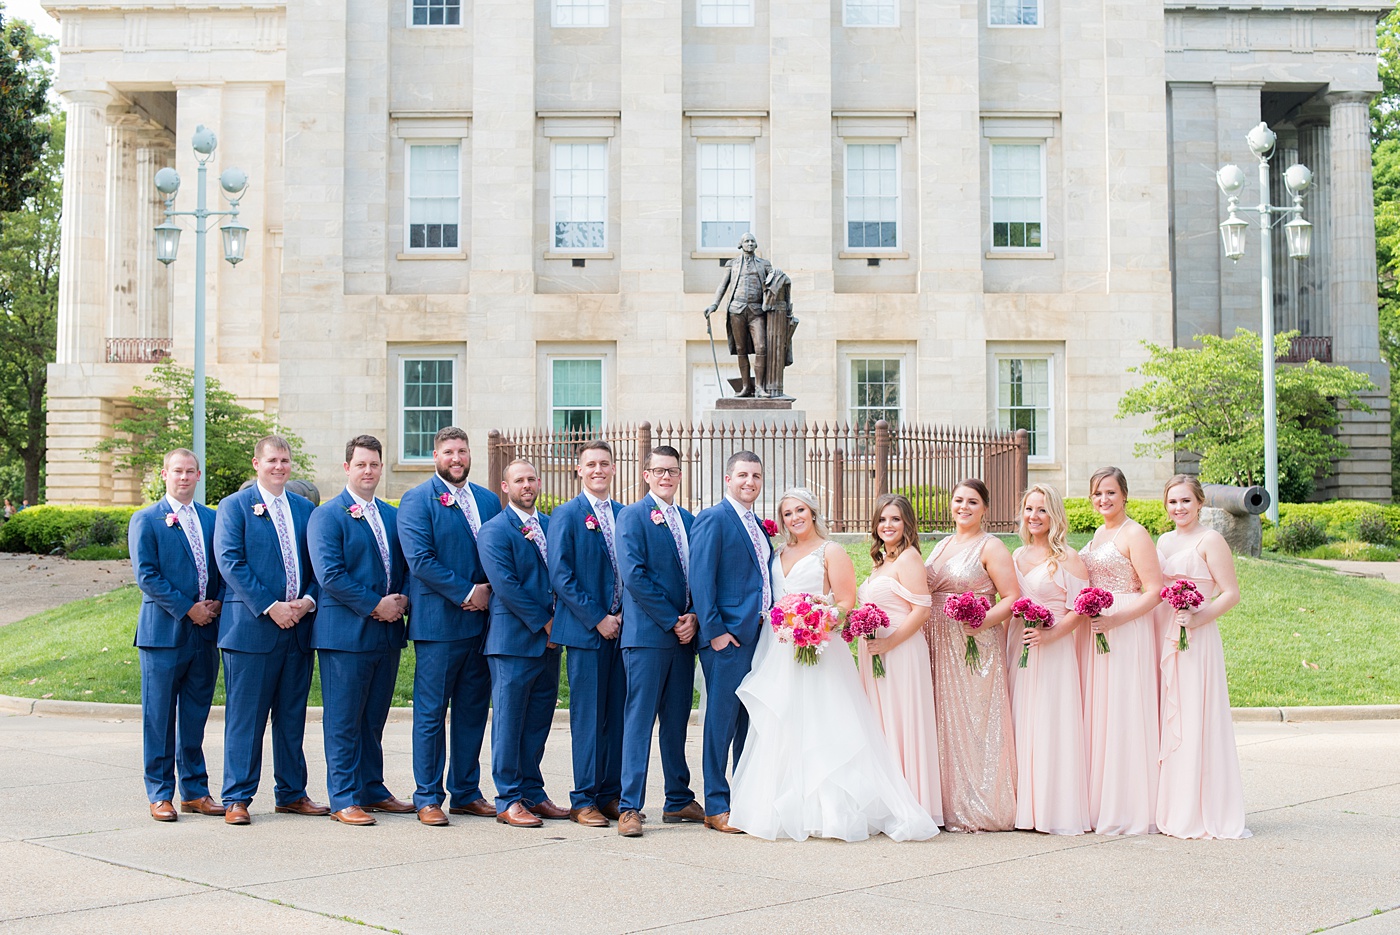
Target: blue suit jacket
x=250 y=561
x=166 y=574
x=351 y=575
x=653 y=593
x=579 y=572
x=440 y=549
x=521 y=599
x=726 y=577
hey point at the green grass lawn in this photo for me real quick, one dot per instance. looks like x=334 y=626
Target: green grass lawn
x=1301 y=636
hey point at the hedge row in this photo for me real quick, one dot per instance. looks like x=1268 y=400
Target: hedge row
x=1341 y=518
x=1150 y=513
x=46 y=529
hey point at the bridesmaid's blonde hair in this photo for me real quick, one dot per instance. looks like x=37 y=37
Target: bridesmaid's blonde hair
x=1059 y=524
x=1189 y=481
x=804 y=496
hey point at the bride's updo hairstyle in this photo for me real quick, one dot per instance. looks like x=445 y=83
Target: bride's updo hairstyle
x=805 y=496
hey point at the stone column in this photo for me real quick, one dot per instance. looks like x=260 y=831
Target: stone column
x=1355 y=339
x=1195 y=211
x=1314 y=296
x=1237 y=110
x=197 y=105
x=243 y=143
x=122 y=215
x=82 y=305
x=154 y=151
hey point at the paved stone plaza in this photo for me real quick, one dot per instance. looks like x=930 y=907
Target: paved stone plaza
x=79 y=854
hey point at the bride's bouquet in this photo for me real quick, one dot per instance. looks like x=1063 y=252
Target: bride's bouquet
x=806 y=621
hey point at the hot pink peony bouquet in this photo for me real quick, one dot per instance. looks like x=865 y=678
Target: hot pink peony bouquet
x=1183 y=594
x=1032 y=615
x=1091 y=602
x=865 y=622
x=807 y=622
x=970 y=610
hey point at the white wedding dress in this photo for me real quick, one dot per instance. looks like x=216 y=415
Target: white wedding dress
x=815 y=760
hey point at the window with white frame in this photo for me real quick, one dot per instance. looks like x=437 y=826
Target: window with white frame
x=724 y=186
x=436 y=12
x=1024 y=401
x=580 y=196
x=429 y=394
x=580 y=12
x=1013 y=12
x=876 y=391
x=871 y=12
x=724 y=12
x=1018 y=196
x=576 y=393
x=872 y=196
x=434 y=196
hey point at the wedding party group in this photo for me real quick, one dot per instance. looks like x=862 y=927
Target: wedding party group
x=984 y=690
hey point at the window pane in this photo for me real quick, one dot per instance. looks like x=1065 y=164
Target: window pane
x=427 y=404
x=724 y=12
x=1023 y=400
x=1018 y=203
x=875 y=392
x=434 y=183
x=580 y=195
x=872 y=196
x=580 y=12
x=576 y=394
x=437 y=12
x=1014 y=12
x=872 y=12
x=724 y=185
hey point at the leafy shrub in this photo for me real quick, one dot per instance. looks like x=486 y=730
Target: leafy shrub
x=1301 y=535
x=1353 y=551
x=1341 y=518
x=546 y=503
x=99 y=553
x=932 y=504
x=1373 y=528
x=47 y=529
x=1150 y=513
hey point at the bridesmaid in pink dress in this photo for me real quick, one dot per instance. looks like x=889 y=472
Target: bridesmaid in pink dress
x=903 y=697
x=1201 y=795
x=1052 y=792
x=1120 y=691
x=976 y=754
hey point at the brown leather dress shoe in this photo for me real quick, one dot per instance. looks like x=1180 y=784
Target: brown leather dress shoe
x=518 y=816
x=432 y=815
x=720 y=822
x=548 y=809
x=236 y=813
x=353 y=815
x=163 y=811
x=480 y=808
x=613 y=810
x=302 y=806
x=392 y=805
x=204 y=805
x=629 y=825
x=692 y=812
x=588 y=816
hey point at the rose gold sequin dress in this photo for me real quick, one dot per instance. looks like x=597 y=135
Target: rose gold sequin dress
x=977 y=759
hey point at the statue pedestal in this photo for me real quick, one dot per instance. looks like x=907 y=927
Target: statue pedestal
x=771 y=429
x=730 y=404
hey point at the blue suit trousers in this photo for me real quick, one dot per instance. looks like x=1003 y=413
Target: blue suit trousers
x=177 y=688
x=449 y=674
x=256 y=686
x=356 y=690
x=659 y=686
x=524 y=690
x=597 y=694
x=726 y=721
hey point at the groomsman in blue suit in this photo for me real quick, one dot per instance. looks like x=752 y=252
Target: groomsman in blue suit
x=583 y=570
x=732 y=590
x=658 y=642
x=439 y=521
x=524 y=662
x=265 y=633
x=359 y=632
x=177 y=635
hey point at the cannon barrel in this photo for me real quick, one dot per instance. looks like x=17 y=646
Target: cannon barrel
x=1241 y=501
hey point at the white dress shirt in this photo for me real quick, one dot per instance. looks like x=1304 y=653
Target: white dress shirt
x=270 y=500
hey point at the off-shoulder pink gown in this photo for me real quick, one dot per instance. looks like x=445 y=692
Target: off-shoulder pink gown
x=976 y=753
x=1120 y=704
x=903 y=697
x=1052 y=791
x=1200 y=793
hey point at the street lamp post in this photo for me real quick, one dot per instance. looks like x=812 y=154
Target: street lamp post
x=234 y=182
x=1298 y=232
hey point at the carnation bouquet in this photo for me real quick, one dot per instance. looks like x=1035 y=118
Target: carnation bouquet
x=1032 y=615
x=1183 y=594
x=1091 y=602
x=865 y=622
x=806 y=621
x=970 y=610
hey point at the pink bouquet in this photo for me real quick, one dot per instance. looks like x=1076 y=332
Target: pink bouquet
x=1032 y=615
x=1183 y=594
x=864 y=623
x=1091 y=602
x=807 y=622
x=971 y=611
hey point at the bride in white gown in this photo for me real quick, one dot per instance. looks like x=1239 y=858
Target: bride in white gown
x=815 y=761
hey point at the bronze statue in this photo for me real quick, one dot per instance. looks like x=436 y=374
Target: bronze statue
x=760 y=322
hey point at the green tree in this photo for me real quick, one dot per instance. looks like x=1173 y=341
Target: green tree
x=1212 y=398
x=162 y=419
x=24 y=88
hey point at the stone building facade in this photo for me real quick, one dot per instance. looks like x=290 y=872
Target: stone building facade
x=503 y=213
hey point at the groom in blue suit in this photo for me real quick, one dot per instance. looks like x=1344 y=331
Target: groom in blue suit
x=524 y=662
x=177 y=635
x=359 y=633
x=265 y=633
x=732 y=590
x=658 y=642
x=583 y=570
x=439 y=521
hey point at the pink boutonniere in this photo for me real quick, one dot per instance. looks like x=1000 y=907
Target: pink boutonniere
x=770 y=527
x=171 y=519
x=591 y=522
x=446 y=499
x=658 y=517
x=259 y=508
x=529 y=532
x=356 y=511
